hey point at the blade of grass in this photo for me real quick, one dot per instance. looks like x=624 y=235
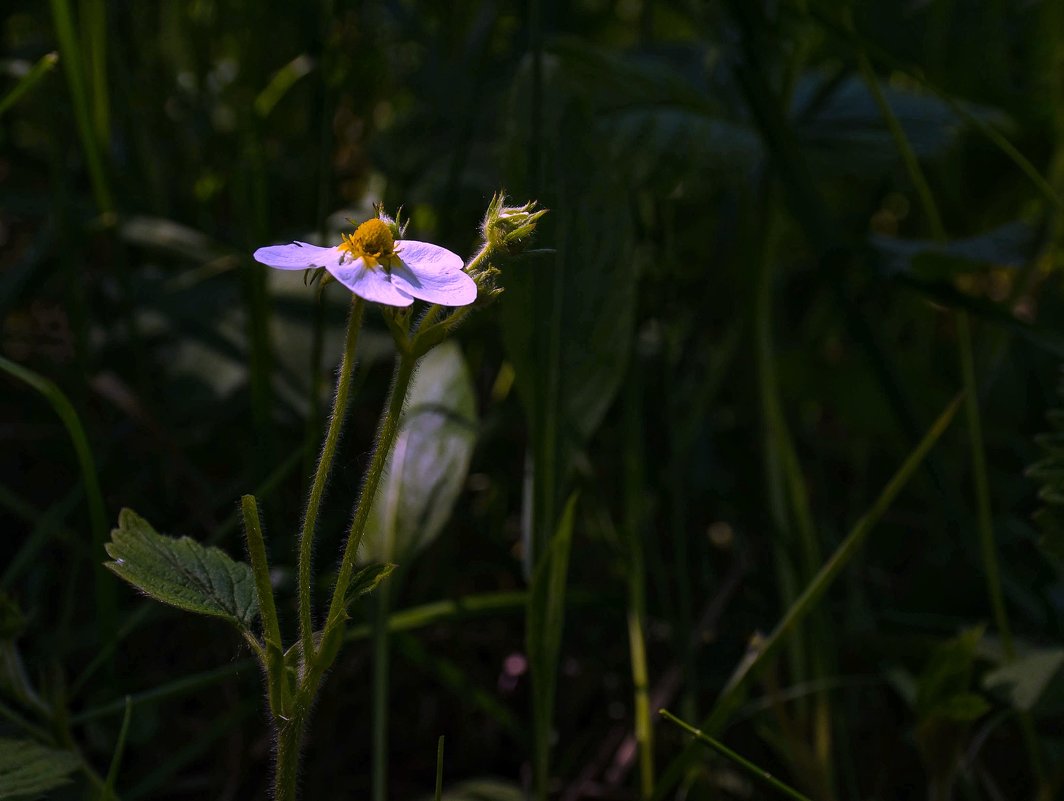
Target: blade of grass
x=757 y=660
x=635 y=569
x=43 y=66
x=543 y=636
x=106 y=590
x=73 y=65
x=107 y=793
x=94 y=38
x=745 y=764
x=46 y=525
x=438 y=796
x=984 y=515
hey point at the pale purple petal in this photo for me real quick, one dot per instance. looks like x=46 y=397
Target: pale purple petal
x=446 y=288
x=424 y=257
x=297 y=256
x=433 y=274
x=371 y=283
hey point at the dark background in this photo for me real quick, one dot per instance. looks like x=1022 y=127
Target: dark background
x=749 y=317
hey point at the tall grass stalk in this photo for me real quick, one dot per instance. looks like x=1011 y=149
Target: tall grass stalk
x=635 y=569
x=759 y=658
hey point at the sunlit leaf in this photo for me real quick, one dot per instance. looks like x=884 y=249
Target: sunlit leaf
x=428 y=464
x=182 y=572
x=29 y=769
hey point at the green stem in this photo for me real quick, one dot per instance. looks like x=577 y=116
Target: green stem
x=982 y=488
x=289 y=748
x=321 y=475
x=274 y=653
x=386 y=433
x=380 y=693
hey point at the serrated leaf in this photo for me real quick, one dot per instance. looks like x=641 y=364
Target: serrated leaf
x=29 y=769
x=367 y=578
x=182 y=572
x=428 y=464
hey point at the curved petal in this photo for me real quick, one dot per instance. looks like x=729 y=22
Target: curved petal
x=426 y=258
x=432 y=273
x=446 y=288
x=297 y=256
x=372 y=283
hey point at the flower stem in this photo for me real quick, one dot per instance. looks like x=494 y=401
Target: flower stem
x=325 y=460
x=289 y=746
x=386 y=432
x=274 y=653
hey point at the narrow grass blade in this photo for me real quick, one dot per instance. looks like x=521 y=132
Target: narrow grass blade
x=106 y=590
x=63 y=18
x=742 y=762
x=546 y=619
x=107 y=793
x=439 y=770
x=43 y=66
x=757 y=660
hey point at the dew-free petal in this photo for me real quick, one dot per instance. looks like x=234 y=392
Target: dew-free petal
x=297 y=256
x=424 y=258
x=446 y=287
x=371 y=283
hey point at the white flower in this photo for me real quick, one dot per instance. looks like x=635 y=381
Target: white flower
x=376 y=266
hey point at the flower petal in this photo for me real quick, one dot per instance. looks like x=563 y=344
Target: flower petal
x=297 y=256
x=424 y=257
x=372 y=283
x=432 y=273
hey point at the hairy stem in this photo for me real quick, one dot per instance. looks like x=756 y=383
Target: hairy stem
x=386 y=432
x=321 y=475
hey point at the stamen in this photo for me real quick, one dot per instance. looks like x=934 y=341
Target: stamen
x=372 y=242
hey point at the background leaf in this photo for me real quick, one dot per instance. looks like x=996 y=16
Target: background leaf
x=29 y=769
x=427 y=467
x=181 y=572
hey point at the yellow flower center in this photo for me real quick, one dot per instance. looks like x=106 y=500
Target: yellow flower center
x=372 y=242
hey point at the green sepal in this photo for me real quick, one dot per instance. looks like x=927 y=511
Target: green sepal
x=28 y=768
x=366 y=579
x=182 y=572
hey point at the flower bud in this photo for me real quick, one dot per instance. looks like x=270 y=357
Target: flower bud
x=508 y=227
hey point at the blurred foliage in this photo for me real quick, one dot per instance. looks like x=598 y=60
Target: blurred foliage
x=732 y=224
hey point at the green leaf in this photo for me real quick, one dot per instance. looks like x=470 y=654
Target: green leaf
x=367 y=578
x=181 y=572
x=1024 y=682
x=29 y=769
x=962 y=708
x=1009 y=245
x=948 y=673
x=427 y=467
x=568 y=321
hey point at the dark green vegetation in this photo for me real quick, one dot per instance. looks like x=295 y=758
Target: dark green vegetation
x=783 y=371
